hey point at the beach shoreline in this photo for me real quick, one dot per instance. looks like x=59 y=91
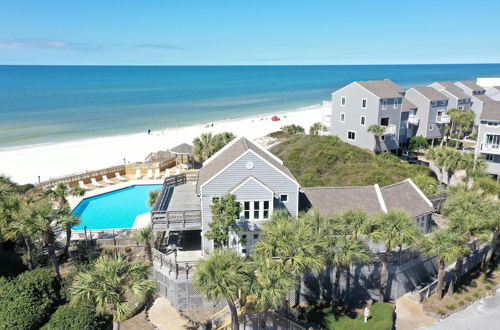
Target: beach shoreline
x=24 y=164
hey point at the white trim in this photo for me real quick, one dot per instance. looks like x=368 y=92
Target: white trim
x=342 y=114
x=246 y=181
x=287 y=199
x=380 y=198
x=361 y=121
x=410 y=181
x=238 y=158
x=343 y=98
x=348 y=135
x=395 y=105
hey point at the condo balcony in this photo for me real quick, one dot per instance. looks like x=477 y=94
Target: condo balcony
x=443 y=119
x=490 y=148
x=177 y=207
x=413 y=120
x=390 y=129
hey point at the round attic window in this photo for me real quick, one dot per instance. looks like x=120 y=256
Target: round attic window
x=249 y=165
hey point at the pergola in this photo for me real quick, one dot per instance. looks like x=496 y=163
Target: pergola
x=184 y=153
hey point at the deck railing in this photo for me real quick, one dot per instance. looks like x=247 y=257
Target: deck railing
x=177 y=219
x=170 y=263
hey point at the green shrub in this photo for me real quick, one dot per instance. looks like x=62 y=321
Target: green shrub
x=451 y=307
x=27 y=300
x=75 y=317
x=488 y=286
x=452 y=143
x=441 y=311
x=461 y=302
x=476 y=294
x=418 y=143
x=468 y=298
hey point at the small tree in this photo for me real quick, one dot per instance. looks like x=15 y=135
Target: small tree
x=316 y=127
x=208 y=144
x=418 y=143
x=293 y=129
x=225 y=211
x=153 y=196
x=145 y=236
x=377 y=132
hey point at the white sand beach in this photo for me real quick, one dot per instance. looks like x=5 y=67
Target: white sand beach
x=25 y=164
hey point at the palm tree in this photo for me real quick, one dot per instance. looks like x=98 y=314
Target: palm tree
x=271 y=286
x=453 y=161
x=293 y=129
x=377 y=132
x=474 y=167
x=316 y=127
x=222 y=139
x=463 y=119
x=222 y=276
x=109 y=285
x=284 y=240
x=153 y=196
x=439 y=156
x=347 y=251
x=394 y=228
x=493 y=225
x=448 y=246
x=356 y=223
x=144 y=236
x=203 y=147
x=60 y=194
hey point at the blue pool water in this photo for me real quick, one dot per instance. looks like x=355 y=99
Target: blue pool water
x=116 y=209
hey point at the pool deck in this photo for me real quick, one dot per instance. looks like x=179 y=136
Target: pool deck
x=184 y=198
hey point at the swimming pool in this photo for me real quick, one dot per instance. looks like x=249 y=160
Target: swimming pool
x=115 y=209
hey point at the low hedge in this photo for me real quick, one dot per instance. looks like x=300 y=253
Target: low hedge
x=76 y=317
x=27 y=301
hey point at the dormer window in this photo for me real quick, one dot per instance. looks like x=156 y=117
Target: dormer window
x=396 y=104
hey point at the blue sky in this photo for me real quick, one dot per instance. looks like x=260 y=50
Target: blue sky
x=249 y=32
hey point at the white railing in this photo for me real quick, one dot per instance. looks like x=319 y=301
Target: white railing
x=491 y=148
x=443 y=119
x=390 y=129
x=413 y=120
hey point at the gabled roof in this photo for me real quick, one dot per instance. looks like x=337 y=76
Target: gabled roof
x=483 y=98
x=472 y=85
x=182 y=149
x=235 y=149
x=453 y=89
x=431 y=94
x=491 y=111
x=404 y=195
x=407 y=105
x=384 y=89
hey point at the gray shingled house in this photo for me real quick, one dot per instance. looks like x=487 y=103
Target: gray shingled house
x=361 y=104
x=488 y=137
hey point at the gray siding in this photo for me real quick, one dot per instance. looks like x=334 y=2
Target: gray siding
x=353 y=111
x=427 y=115
x=493 y=164
x=234 y=175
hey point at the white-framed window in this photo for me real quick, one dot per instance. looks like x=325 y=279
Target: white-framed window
x=342 y=117
x=363 y=120
x=434 y=103
x=284 y=198
x=343 y=101
x=384 y=104
x=489 y=157
x=396 y=104
x=460 y=108
x=431 y=127
x=492 y=123
x=265 y=210
x=351 y=135
x=246 y=210
x=256 y=210
x=444 y=102
x=363 y=103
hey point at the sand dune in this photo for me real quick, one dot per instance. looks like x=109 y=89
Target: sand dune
x=25 y=164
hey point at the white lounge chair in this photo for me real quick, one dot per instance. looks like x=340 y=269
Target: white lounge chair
x=138 y=174
x=167 y=172
x=95 y=183
x=150 y=174
x=157 y=173
x=82 y=185
x=106 y=180
x=119 y=177
x=177 y=171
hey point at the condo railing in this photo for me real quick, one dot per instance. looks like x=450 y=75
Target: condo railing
x=172 y=265
x=490 y=147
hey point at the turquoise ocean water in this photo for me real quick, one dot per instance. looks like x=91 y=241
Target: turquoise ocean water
x=116 y=209
x=45 y=104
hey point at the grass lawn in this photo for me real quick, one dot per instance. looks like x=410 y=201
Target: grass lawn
x=474 y=287
x=328 y=161
x=381 y=317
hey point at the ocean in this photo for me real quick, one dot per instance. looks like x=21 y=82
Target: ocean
x=47 y=104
